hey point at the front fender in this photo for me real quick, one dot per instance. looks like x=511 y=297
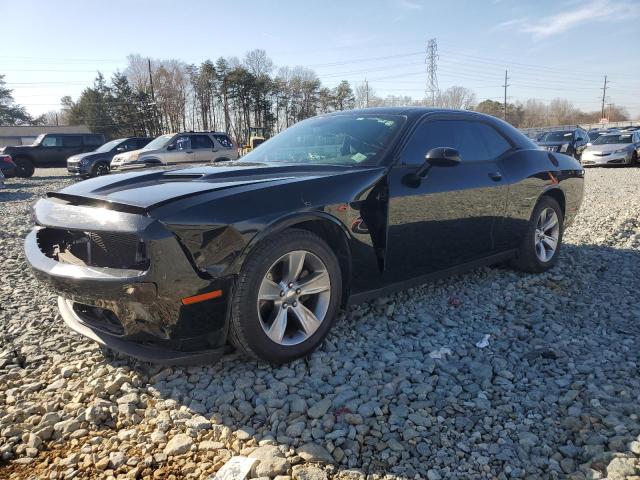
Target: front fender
x=285 y=222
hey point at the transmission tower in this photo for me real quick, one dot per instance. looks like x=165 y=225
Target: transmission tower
x=432 y=67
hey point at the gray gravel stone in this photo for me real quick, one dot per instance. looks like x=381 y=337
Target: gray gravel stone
x=554 y=394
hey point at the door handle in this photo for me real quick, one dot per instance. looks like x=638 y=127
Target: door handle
x=495 y=176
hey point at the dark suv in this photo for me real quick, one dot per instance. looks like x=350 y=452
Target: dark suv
x=96 y=163
x=570 y=142
x=51 y=150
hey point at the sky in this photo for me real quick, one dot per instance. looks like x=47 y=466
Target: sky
x=551 y=48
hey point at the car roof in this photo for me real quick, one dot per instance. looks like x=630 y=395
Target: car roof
x=73 y=134
x=412 y=113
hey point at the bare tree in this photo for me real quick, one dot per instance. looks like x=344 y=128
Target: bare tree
x=258 y=63
x=457 y=97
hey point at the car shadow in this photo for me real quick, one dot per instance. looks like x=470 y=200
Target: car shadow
x=561 y=354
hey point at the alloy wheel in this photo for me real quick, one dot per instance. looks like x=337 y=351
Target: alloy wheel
x=101 y=170
x=547 y=234
x=294 y=297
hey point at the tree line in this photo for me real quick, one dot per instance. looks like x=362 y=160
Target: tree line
x=151 y=97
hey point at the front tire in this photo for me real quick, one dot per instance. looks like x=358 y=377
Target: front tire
x=100 y=169
x=540 y=247
x=25 y=167
x=287 y=297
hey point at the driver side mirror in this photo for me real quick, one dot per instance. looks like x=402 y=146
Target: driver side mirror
x=120 y=149
x=171 y=147
x=439 y=157
x=436 y=157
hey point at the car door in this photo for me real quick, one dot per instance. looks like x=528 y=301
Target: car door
x=50 y=149
x=71 y=145
x=445 y=219
x=580 y=142
x=179 y=151
x=203 y=148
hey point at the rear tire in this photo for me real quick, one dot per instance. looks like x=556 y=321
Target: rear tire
x=634 y=159
x=271 y=317
x=25 y=167
x=541 y=244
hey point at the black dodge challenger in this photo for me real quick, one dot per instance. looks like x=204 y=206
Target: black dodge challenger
x=173 y=265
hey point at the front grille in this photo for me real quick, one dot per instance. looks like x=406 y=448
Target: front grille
x=96 y=249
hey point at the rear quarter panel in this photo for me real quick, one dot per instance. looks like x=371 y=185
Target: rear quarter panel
x=532 y=173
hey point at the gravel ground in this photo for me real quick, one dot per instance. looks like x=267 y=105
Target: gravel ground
x=398 y=390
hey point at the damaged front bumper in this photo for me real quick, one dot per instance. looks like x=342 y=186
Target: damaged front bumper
x=122 y=280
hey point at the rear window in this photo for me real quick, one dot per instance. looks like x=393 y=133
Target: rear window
x=224 y=140
x=72 y=141
x=93 y=140
x=142 y=142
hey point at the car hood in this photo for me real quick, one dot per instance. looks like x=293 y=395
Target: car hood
x=608 y=148
x=89 y=155
x=144 y=190
x=15 y=147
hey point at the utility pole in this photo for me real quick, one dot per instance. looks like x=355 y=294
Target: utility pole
x=432 y=67
x=506 y=78
x=153 y=96
x=57 y=124
x=366 y=86
x=609 y=116
x=604 y=94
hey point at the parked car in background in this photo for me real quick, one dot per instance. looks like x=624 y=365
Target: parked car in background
x=613 y=149
x=570 y=142
x=51 y=150
x=594 y=134
x=263 y=252
x=8 y=167
x=96 y=163
x=180 y=148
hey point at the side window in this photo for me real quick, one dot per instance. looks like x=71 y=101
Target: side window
x=201 y=141
x=93 y=140
x=224 y=140
x=52 y=141
x=462 y=135
x=496 y=144
x=130 y=144
x=72 y=141
x=183 y=143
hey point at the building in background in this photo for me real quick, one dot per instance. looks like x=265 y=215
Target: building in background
x=25 y=135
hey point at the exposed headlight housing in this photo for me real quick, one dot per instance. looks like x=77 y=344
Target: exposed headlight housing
x=620 y=150
x=564 y=147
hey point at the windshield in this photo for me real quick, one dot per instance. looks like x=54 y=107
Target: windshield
x=594 y=135
x=108 y=146
x=559 y=136
x=331 y=140
x=612 y=139
x=159 y=142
